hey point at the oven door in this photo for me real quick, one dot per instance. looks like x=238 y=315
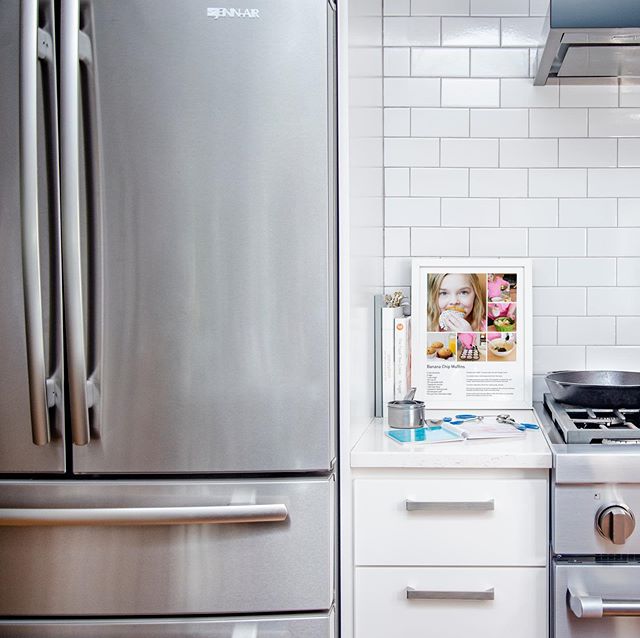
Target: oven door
x=594 y=600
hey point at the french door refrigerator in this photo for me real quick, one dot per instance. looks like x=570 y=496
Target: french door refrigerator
x=168 y=380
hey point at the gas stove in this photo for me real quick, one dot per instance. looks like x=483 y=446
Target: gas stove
x=595 y=498
x=593 y=425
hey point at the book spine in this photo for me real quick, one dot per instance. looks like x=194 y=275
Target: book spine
x=401 y=357
x=378 y=305
x=388 y=348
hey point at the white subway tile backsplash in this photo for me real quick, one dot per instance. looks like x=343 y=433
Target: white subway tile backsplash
x=411 y=151
x=628 y=151
x=440 y=182
x=545 y=331
x=557 y=182
x=497 y=182
x=553 y=242
x=500 y=7
x=522 y=32
x=612 y=358
x=614 y=182
x=529 y=212
x=397 y=122
x=558 y=122
x=470 y=92
x=524 y=153
x=506 y=242
x=498 y=63
x=396 y=181
x=429 y=242
x=549 y=358
x=411 y=32
x=440 y=122
x=440 y=7
x=628 y=331
x=545 y=271
x=471 y=32
x=397 y=242
x=412 y=211
x=607 y=242
x=629 y=92
x=499 y=123
x=581 y=212
x=628 y=271
x=612 y=301
x=411 y=92
x=559 y=302
x=614 y=122
x=586 y=271
x=396 y=7
x=522 y=93
x=480 y=162
x=470 y=212
x=589 y=92
x=397 y=271
x=365 y=30
x=586 y=330
x=439 y=62
x=397 y=61
x=367 y=124
x=469 y=152
x=588 y=152
x=629 y=212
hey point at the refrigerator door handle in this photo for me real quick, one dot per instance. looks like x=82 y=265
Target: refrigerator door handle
x=70 y=206
x=198 y=515
x=34 y=43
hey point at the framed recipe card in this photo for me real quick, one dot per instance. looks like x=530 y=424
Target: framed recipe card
x=471 y=337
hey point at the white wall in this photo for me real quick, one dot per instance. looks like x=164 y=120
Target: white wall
x=479 y=162
x=365 y=200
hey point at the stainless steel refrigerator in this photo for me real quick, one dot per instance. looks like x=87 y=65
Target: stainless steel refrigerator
x=168 y=385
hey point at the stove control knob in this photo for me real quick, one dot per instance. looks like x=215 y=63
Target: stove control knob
x=616 y=523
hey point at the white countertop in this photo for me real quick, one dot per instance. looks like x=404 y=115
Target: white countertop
x=375 y=449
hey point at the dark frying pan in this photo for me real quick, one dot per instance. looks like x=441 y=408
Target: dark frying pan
x=596 y=388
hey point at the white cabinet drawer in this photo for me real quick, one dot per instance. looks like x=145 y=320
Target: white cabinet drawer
x=495 y=522
x=518 y=607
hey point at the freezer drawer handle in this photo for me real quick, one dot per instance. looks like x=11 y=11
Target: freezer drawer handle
x=450 y=506
x=588 y=606
x=422 y=594
x=209 y=515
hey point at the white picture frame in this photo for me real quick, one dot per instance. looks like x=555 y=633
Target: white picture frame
x=491 y=367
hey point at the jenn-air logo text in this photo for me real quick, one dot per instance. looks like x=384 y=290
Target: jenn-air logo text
x=215 y=13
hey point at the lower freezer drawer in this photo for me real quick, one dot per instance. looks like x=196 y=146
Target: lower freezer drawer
x=164 y=548
x=596 y=599
x=303 y=626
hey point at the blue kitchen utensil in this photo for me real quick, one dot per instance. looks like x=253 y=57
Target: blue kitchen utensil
x=423 y=435
x=501 y=418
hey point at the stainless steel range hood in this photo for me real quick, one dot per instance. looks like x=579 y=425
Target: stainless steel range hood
x=590 y=39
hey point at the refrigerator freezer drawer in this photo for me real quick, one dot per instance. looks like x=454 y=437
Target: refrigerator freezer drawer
x=132 y=548
x=303 y=626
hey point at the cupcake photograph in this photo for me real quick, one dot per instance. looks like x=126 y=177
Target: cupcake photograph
x=441 y=346
x=456 y=302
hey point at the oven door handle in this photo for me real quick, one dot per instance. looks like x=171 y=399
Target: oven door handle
x=587 y=606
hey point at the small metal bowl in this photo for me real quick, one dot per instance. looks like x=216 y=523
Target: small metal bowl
x=406 y=414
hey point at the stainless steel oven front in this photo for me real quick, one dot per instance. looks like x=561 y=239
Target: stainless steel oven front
x=596 y=598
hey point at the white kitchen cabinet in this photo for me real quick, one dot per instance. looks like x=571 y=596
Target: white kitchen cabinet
x=432 y=522
x=450 y=540
x=384 y=611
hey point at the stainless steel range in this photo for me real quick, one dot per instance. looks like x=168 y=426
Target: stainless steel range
x=595 y=498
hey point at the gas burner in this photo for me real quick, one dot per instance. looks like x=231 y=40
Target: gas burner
x=592 y=425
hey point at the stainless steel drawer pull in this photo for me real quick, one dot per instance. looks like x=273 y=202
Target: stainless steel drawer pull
x=421 y=594
x=596 y=607
x=210 y=515
x=450 y=506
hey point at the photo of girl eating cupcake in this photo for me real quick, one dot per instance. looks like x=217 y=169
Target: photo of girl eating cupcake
x=456 y=302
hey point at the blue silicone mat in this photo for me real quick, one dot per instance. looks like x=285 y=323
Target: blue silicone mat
x=423 y=435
